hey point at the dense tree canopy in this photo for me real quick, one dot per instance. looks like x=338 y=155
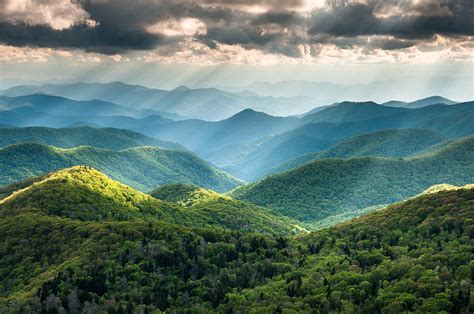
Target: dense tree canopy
x=326 y=187
x=413 y=256
x=144 y=167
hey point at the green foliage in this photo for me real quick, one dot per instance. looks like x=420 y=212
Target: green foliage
x=173 y=192
x=411 y=257
x=281 y=153
x=414 y=256
x=83 y=193
x=220 y=210
x=331 y=186
x=110 y=138
x=143 y=168
x=387 y=143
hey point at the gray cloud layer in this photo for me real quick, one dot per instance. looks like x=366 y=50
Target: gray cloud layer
x=276 y=26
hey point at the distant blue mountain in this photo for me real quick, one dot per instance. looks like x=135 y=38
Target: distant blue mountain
x=209 y=104
x=433 y=100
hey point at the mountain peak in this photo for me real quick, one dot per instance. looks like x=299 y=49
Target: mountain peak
x=181 y=88
x=247 y=112
x=84 y=193
x=357 y=103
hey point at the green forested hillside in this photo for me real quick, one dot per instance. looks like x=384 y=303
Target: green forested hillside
x=81 y=136
x=331 y=186
x=410 y=257
x=386 y=143
x=83 y=193
x=277 y=155
x=225 y=210
x=347 y=111
x=341 y=122
x=413 y=256
x=143 y=168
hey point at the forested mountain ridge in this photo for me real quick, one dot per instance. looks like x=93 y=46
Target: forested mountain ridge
x=225 y=210
x=244 y=127
x=285 y=152
x=385 y=143
x=347 y=111
x=85 y=194
x=428 y=101
x=144 y=167
x=110 y=138
x=210 y=104
x=64 y=106
x=330 y=186
x=258 y=159
x=412 y=256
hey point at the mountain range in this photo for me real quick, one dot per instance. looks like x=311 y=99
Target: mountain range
x=420 y=103
x=144 y=167
x=379 y=90
x=249 y=144
x=122 y=199
x=76 y=240
x=330 y=186
x=110 y=138
x=339 y=123
x=86 y=194
x=202 y=103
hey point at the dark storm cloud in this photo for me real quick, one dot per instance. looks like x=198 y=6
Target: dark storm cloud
x=356 y=19
x=281 y=27
x=102 y=39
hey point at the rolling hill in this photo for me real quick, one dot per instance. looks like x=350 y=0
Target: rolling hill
x=23 y=119
x=242 y=128
x=351 y=112
x=209 y=104
x=433 y=100
x=143 y=168
x=287 y=151
x=385 y=143
x=83 y=193
x=40 y=103
x=259 y=160
x=225 y=210
x=452 y=121
x=413 y=256
x=410 y=257
x=386 y=118
x=110 y=138
x=326 y=187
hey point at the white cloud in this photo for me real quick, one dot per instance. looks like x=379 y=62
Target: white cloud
x=179 y=27
x=58 y=14
x=389 y=8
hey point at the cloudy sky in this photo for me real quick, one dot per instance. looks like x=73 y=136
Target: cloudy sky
x=274 y=39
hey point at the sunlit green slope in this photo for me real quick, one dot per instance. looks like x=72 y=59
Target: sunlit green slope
x=83 y=193
x=221 y=210
x=412 y=256
x=143 y=168
x=331 y=186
